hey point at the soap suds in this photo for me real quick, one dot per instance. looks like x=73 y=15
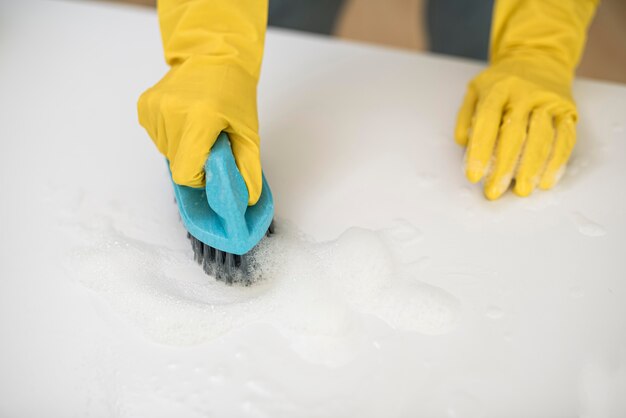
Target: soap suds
x=494 y=312
x=576 y=292
x=314 y=293
x=586 y=226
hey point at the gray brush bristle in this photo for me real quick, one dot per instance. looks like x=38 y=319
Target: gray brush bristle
x=226 y=267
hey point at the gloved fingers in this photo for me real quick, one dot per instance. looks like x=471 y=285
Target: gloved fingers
x=483 y=135
x=245 y=145
x=563 y=146
x=536 y=152
x=508 y=149
x=196 y=140
x=170 y=133
x=159 y=119
x=464 y=118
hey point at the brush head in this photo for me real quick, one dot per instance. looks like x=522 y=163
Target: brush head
x=222 y=227
x=218 y=214
x=224 y=266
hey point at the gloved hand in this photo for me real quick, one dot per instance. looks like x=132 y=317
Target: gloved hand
x=215 y=49
x=518 y=117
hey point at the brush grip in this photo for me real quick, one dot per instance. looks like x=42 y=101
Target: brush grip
x=226 y=189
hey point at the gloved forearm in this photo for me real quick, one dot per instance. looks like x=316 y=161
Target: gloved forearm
x=231 y=31
x=553 y=29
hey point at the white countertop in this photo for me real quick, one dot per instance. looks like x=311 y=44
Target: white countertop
x=439 y=303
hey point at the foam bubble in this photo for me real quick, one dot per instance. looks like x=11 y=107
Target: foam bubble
x=317 y=294
x=494 y=312
x=586 y=226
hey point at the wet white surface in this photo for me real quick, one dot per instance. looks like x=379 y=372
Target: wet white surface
x=393 y=288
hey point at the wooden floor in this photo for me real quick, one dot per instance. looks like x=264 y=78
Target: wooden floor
x=399 y=23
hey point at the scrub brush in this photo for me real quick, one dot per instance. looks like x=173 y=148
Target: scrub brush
x=221 y=226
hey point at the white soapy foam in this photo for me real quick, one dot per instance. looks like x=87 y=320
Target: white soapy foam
x=541 y=201
x=494 y=312
x=586 y=226
x=316 y=294
x=576 y=292
x=426 y=180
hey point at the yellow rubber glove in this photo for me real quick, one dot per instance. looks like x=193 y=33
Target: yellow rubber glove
x=518 y=117
x=214 y=48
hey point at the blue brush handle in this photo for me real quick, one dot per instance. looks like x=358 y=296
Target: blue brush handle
x=226 y=191
x=219 y=215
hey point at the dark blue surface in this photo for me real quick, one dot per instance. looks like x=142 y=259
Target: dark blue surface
x=455 y=27
x=459 y=27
